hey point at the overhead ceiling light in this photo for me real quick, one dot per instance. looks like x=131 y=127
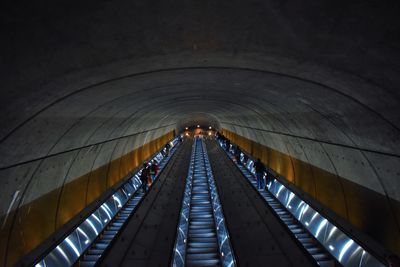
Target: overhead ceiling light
x=209 y=127
x=198 y=126
x=186 y=128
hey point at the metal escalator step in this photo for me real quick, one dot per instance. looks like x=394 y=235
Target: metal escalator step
x=321 y=256
x=294 y=227
x=202 y=239
x=202 y=256
x=104 y=241
x=203 y=245
x=199 y=231
x=95 y=252
x=207 y=209
x=326 y=263
x=302 y=235
x=91 y=257
x=298 y=231
x=195 y=216
x=87 y=263
x=107 y=236
x=110 y=232
x=114 y=227
x=201 y=250
x=203 y=263
x=306 y=240
x=100 y=246
x=201 y=235
x=126 y=211
x=200 y=201
x=201 y=221
x=200 y=226
x=315 y=250
x=308 y=245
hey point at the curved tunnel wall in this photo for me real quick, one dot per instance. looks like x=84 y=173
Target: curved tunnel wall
x=53 y=190
x=322 y=171
x=292 y=115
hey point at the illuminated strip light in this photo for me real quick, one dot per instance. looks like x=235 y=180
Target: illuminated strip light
x=314 y=216
x=40 y=265
x=321 y=225
x=223 y=241
x=72 y=246
x=118 y=200
x=291 y=196
x=362 y=258
x=345 y=249
x=107 y=207
x=83 y=233
x=304 y=210
x=63 y=254
x=332 y=231
x=106 y=210
x=97 y=218
x=279 y=191
x=180 y=255
x=91 y=225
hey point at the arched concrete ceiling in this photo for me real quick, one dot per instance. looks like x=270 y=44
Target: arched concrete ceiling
x=315 y=80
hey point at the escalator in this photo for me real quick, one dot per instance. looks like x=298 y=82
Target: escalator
x=202 y=247
x=202 y=238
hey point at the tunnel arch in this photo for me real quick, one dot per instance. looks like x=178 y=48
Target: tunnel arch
x=251 y=105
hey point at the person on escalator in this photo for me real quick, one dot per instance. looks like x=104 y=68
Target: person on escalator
x=260 y=169
x=144 y=177
x=154 y=169
x=227 y=144
x=237 y=155
x=245 y=159
x=167 y=148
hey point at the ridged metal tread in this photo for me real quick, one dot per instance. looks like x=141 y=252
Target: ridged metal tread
x=202 y=245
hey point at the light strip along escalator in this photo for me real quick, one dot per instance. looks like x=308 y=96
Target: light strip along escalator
x=202 y=238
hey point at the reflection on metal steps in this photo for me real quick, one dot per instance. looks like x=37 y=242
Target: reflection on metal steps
x=202 y=239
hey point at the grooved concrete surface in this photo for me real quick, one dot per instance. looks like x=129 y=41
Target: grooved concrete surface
x=148 y=238
x=317 y=81
x=257 y=236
